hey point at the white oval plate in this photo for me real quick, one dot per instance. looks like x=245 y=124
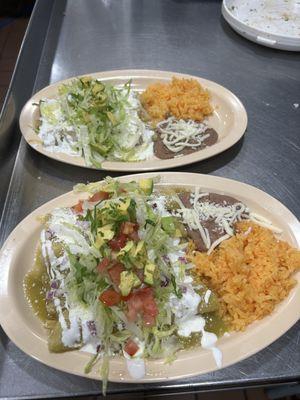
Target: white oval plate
x=269 y=23
x=229 y=119
x=26 y=331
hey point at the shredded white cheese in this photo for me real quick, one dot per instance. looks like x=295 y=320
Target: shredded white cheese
x=224 y=215
x=264 y=222
x=217 y=242
x=178 y=134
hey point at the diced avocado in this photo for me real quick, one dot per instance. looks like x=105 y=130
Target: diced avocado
x=138 y=249
x=128 y=281
x=168 y=225
x=124 y=204
x=106 y=231
x=111 y=117
x=146 y=184
x=104 y=234
x=129 y=245
x=151 y=217
x=178 y=233
x=98 y=87
x=86 y=79
x=131 y=210
x=149 y=273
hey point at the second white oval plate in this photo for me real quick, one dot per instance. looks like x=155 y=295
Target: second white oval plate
x=229 y=119
x=26 y=331
x=274 y=24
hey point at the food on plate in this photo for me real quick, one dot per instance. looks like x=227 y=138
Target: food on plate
x=210 y=217
x=95 y=120
x=182 y=98
x=179 y=137
x=251 y=273
x=111 y=277
x=130 y=271
x=98 y=121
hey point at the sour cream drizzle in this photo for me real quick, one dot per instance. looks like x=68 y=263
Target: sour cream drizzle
x=63 y=226
x=56 y=134
x=185 y=308
x=73 y=318
x=59 y=136
x=136 y=364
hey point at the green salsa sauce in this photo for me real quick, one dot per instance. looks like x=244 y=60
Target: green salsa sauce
x=36 y=284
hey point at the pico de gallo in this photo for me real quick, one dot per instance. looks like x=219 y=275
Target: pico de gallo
x=112 y=277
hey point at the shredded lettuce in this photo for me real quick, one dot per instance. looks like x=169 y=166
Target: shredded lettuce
x=96 y=119
x=87 y=280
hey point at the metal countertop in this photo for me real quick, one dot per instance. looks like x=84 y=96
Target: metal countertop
x=67 y=38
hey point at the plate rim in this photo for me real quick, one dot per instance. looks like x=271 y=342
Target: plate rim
x=239 y=129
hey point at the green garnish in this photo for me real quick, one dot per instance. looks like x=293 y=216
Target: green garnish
x=95 y=120
x=177 y=291
x=122 y=270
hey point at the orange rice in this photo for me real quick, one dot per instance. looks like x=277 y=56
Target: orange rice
x=251 y=273
x=181 y=98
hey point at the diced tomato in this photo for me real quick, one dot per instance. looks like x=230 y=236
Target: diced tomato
x=149 y=304
x=131 y=313
x=128 y=227
x=125 y=298
x=146 y=291
x=99 y=196
x=115 y=272
x=78 y=207
x=131 y=347
x=149 y=320
x=142 y=302
x=102 y=266
x=110 y=297
x=118 y=242
x=135 y=306
x=134 y=236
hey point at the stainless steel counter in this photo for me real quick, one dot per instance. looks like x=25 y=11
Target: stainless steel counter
x=67 y=38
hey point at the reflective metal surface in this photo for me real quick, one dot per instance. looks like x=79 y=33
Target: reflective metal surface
x=21 y=88
x=180 y=35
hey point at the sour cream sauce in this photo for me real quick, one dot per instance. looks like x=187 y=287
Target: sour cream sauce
x=136 y=364
x=186 y=307
x=76 y=327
